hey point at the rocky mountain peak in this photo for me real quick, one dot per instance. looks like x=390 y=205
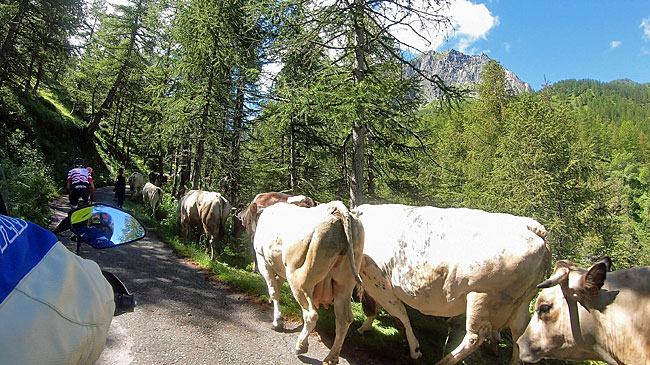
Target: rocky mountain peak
x=458 y=69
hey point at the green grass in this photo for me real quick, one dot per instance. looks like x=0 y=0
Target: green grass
x=49 y=96
x=437 y=336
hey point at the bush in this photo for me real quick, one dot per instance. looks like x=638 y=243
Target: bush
x=29 y=180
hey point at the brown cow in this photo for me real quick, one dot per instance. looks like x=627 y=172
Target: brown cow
x=205 y=209
x=247 y=219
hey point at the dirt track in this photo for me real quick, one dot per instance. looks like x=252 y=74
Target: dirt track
x=183 y=318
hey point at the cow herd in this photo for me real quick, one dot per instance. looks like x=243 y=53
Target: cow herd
x=442 y=262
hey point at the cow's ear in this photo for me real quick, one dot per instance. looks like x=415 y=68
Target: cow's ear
x=607 y=261
x=561 y=274
x=594 y=279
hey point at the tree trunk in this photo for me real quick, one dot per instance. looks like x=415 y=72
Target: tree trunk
x=198 y=159
x=30 y=69
x=185 y=169
x=128 y=147
x=108 y=101
x=292 y=156
x=371 y=172
x=175 y=171
x=356 y=179
x=237 y=123
x=39 y=75
x=8 y=43
x=126 y=138
x=118 y=123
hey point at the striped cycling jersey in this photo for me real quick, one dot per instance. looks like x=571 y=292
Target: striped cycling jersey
x=79 y=175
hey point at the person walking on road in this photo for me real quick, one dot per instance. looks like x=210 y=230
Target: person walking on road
x=120 y=187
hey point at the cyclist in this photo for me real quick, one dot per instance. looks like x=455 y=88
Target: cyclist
x=99 y=230
x=80 y=184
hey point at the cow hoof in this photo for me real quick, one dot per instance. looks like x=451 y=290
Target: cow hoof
x=329 y=361
x=417 y=354
x=278 y=325
x=302 y=349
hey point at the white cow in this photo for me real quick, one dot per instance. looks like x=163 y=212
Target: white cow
x=152 y=195
x=205 y=209
x=446 y=262
x=136 y=182
x=591 y=315
x=314 y=249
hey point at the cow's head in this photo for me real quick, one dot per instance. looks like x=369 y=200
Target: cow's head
x=238 y=221
x=561 y=325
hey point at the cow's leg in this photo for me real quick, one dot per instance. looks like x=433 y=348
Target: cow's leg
x=517 y=327
x=380 y=288
x=370 y=309
x=211 y=243
x=344 y=317
x=273 y=284
x=477 y=329
x=367 y=324
x=309 y=317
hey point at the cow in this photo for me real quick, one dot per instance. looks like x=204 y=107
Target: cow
x=591 y=315
x=152 y=195
x=157 y=178
x=314 y=249
x=205 y=209
x=446 y=262
x=136 y=182
x=246 y=219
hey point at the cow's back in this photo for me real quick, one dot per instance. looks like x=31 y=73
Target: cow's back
x=213 y=209
x=189 y=208
x=434 y=257
x=282 y=226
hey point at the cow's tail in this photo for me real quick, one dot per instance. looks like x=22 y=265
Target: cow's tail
x=224 y=210
x=542 y=233
x=368 y=303
x=179 y=212
x=343 y=214
x=160 y=193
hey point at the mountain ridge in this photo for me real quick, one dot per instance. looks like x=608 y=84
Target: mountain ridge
x=458 y=69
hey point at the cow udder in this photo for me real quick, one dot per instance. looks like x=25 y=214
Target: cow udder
x=324 y=293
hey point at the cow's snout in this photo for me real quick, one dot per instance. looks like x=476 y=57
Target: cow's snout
x=527 y=351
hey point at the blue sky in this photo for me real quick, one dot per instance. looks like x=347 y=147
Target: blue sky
x=559 y=40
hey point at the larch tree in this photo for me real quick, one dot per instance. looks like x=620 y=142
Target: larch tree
x=354 y=33
x=120 y=47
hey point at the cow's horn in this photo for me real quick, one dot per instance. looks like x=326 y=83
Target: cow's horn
x=559 y=276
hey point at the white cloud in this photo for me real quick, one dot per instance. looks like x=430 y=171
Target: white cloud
x=614 y=44
x=506 y=46
x=645 y=24
x=469 y=23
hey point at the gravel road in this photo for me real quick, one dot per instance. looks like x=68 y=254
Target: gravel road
x=183 y=318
